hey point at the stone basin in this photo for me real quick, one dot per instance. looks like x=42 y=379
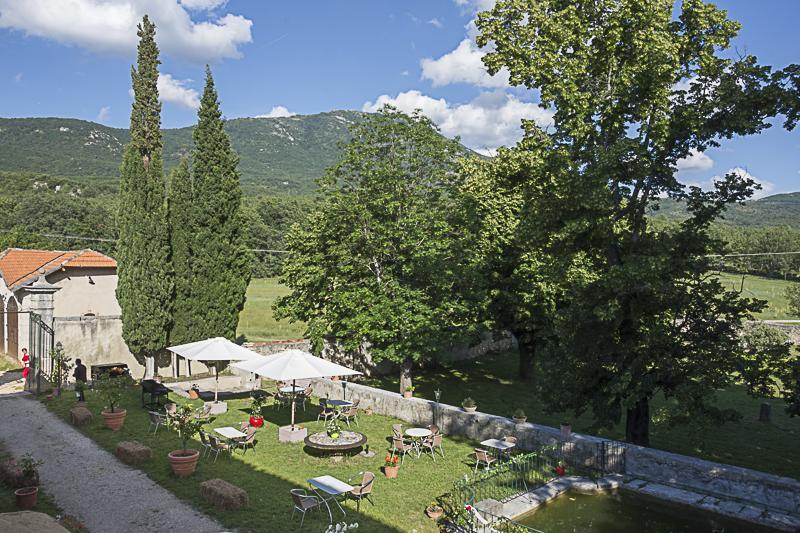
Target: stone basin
x=347 y=440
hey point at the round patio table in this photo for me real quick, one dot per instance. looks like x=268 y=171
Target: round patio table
x=417 y=434
x=291 y=390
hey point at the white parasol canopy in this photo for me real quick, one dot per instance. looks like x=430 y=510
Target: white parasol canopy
x=214 y=350
x=292 y=365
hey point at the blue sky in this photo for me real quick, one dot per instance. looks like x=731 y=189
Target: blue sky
x=72 y=59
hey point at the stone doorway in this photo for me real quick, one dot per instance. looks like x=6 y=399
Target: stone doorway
x=13 y=329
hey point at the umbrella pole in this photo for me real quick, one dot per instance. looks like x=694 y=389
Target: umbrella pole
x=292 y=405
x=216 y=390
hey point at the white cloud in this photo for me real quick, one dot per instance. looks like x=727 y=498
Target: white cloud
x=203 y=5
x=277 y=112
x=103 y=114
x=484 y=124
x=110 y=26
x=462 y=65
x=18 y=77
x=476 y=5
x=404 y=73
x=175 y=92
x=767 y=187
x=696 y=161
x=436 y=23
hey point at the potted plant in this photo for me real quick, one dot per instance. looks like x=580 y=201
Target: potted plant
x=26 y=496
x=111 y=390
x=566 y=430
x=434 y=511
x=408 y=392
x=333 y=428
x=256 y=420
x=186 y=423
x=194 y=392
x=469 y=405
x=390 y=466
x=519 y=416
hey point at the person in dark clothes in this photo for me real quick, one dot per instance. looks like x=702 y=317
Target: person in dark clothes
x=80 y=375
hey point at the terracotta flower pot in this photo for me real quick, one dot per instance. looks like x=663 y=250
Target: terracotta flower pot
x=256 y=421
x=183 y=462
x=566 y=430
x=471 y=409
x=193 y=394
x=435 y=514
x=391 y=471
x=26 y=497
x=114 y=420
x=408 y=394
x=520 y=420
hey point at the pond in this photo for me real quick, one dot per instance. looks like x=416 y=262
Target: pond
x=627 y=512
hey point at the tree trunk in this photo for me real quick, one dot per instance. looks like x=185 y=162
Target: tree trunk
x=527 y=351
x=637 y=424
x=405 y=375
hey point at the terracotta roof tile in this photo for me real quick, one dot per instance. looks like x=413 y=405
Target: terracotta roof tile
x=18 y=266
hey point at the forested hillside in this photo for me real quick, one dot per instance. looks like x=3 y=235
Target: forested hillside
x=775 y=210
x=275 y=154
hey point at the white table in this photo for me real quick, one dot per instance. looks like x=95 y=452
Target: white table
x=337 y=404
x=500 y=446
x=332 y=487
x=291 y=390
x=230 y=433
x=417 y=434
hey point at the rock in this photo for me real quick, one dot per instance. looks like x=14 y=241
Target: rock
x=27 y=521
x=132 y=452
x=224 y=495
x=80 y=415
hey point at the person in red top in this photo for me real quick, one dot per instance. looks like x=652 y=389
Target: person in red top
x=27 y=360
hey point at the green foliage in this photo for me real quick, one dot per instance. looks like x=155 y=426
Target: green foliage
x=181 y=216
x=112 y=388
x=145 y=289
x=259 y=402
x=220 y=259
x=186 y=423
x=641 y=316
x=793 y=296
x=766 y=353
x=373 y=263
x=468 y=402
x=29 y=466
x=61 y=364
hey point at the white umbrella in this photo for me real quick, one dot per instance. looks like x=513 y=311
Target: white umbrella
x=294 y=365
x=214 y=350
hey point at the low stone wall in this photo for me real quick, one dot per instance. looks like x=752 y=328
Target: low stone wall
x=273 y=347
x=722 y=481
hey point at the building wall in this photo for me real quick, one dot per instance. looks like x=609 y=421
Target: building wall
x=85 y=291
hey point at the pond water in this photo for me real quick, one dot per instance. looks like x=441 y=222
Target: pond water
x=626 y=512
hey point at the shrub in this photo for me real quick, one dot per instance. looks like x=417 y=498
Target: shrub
x=468 y=402
x=111 y=389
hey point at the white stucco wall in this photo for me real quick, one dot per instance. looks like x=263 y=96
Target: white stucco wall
x=85 y=291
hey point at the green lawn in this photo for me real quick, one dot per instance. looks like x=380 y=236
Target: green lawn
x=274 y=468
x=491 y=383
x=9 y=363
x=769 y=289
x=256 y=321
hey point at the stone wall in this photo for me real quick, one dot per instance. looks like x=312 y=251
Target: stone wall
x=272 y=347
x=722 y=481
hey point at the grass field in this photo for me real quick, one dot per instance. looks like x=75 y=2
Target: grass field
x=771 y=290
x=491 y=382
x=272 y=469
x=256 y=321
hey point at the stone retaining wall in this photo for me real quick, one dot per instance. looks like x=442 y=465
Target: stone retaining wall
x=722 y=481
x=272 y=347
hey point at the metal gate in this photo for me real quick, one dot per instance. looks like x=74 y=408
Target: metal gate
x=40 y=344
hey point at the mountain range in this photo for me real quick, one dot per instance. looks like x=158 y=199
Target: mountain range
x=275 y=154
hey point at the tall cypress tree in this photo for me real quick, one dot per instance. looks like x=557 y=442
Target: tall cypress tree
x=145 y=287
x=181 y=230
x=220 y=257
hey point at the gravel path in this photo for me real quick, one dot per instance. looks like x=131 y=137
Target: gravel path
x=89 y=482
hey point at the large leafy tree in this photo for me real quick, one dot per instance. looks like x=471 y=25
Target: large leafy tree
x=634 y=89
x=376 y=264
x=221 y=260
x=143 y=253
x=180 y=205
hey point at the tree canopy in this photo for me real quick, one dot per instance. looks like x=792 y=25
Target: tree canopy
x=376 y=264
x=635 y=86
